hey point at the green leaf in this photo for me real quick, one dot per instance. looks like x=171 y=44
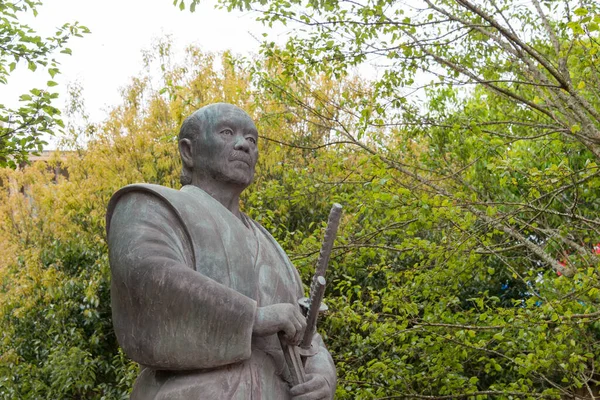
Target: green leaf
x=576 y=27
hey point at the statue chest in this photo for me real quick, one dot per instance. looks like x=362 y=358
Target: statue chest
x=239 y=255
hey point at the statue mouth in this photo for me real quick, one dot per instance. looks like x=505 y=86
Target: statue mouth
x=240 y=160
x=243 y=157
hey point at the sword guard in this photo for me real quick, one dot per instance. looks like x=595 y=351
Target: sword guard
x=305 y=306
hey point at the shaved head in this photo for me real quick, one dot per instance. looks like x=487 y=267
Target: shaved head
x=198 y=123
x=212 y=142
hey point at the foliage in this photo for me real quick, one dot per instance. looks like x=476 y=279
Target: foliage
x=492 y=77
x=460 y=206
x=22 y=129
x=56 y=333
x=55 y=322
x=477 y=186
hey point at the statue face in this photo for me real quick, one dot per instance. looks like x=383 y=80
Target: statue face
x=227 y=149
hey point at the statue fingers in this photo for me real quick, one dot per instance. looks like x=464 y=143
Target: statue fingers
x=297 y=337
x=290 y=332
x=301 y=319
x=298 y=333
x=299 y=325
x=315 y=388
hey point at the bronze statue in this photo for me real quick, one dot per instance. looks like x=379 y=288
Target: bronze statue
x=199 y=290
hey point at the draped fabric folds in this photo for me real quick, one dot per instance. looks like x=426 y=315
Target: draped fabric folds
x=187 y=278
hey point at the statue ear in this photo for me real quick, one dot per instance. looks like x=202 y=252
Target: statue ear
x=187 y=156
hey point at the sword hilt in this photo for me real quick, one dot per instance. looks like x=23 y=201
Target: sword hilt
x=316 y=301
x=333 y=222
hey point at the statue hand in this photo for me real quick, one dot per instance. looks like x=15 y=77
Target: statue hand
x=283 y=317
x=315 y=388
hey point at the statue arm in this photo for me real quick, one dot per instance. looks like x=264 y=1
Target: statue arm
x=166 y=315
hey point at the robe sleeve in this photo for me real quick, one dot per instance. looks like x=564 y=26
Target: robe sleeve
x=165 y=314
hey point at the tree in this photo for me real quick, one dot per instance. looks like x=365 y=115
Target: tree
x=22 y=129
x=481 y=137
x=56 y=337
x=529 y=58
x=428 y=297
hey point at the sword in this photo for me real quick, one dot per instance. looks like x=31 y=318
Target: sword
x=313 y=304
x=295 y=357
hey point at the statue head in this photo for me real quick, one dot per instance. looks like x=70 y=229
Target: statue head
x=218 y=143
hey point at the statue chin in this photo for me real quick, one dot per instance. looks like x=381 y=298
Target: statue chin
x=237 y=178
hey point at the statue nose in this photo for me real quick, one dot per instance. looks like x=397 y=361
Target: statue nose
x=241 y=144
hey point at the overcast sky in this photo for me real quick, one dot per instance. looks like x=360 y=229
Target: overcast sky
x=104 y=60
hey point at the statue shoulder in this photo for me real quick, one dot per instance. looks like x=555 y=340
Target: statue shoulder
x=143 y=203
x=168 y=196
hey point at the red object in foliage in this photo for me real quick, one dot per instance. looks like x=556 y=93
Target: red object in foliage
x=564 y=264
x=595 y=249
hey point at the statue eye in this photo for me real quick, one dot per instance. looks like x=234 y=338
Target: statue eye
x=251 y=139
x=227 y=132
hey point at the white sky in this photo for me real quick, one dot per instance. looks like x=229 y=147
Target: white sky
x=105 y=60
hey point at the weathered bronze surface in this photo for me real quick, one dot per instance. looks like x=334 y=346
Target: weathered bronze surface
x=199 y=290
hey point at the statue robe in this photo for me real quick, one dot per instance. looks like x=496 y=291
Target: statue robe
x=187 y=278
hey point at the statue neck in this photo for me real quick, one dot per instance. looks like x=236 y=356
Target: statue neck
x=226 y=194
